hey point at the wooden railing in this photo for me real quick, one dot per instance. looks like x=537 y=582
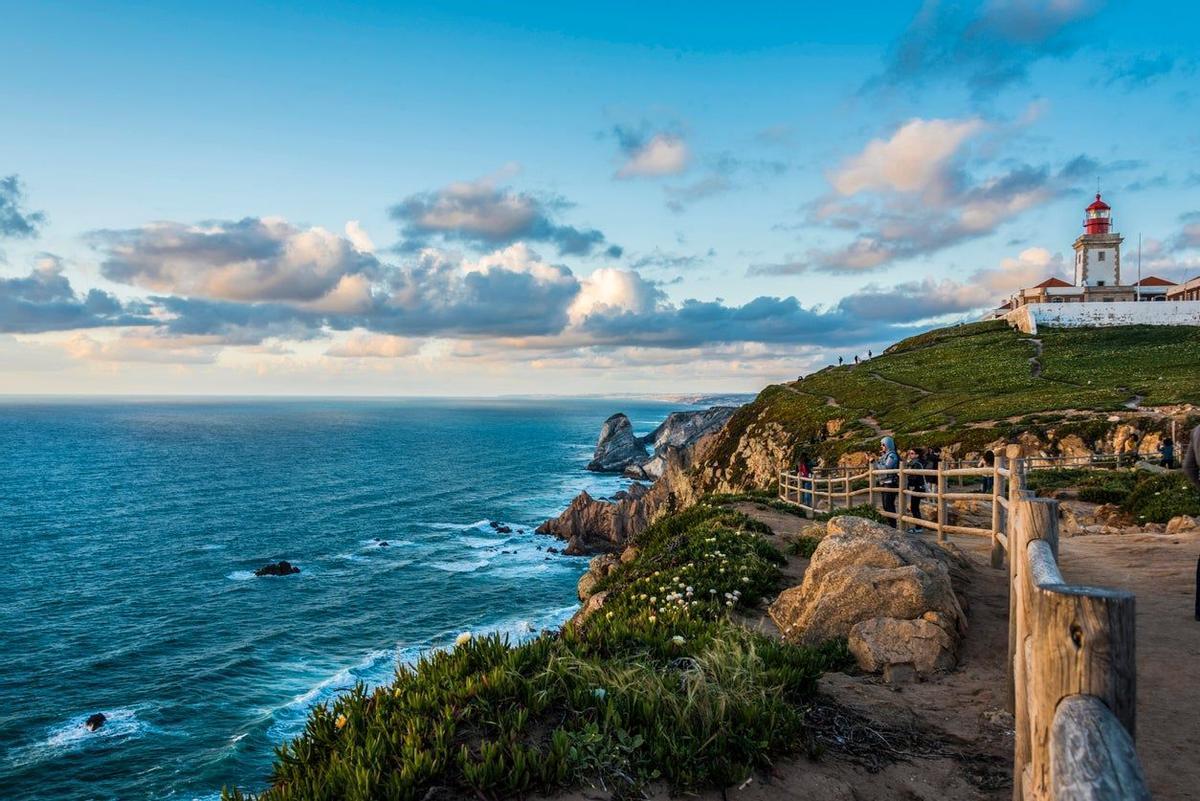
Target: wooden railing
x=1071 y=670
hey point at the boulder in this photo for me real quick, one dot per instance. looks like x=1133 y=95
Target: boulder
x=618 y=447
x=925 y=643
x=864 y=570
x=589 y=608
x=95 y=721
x=1182 y=523
x=629 y=554
x=587 y=583
x=1080 y=518
x=283 y=568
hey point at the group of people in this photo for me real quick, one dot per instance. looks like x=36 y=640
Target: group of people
x=914 y=459
x=842 y=360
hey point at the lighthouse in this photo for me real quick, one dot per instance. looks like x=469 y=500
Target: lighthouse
x=1098 y=248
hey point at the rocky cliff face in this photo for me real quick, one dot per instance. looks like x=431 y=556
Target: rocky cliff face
x=619 y=450
x=590 y=525
x=618 y=447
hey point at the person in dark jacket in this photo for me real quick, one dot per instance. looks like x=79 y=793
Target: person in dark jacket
x=890 y=483
x=989 y=481
x=1191 y=462
x=1167 y=451
x=916 y=483
x=1191 y=469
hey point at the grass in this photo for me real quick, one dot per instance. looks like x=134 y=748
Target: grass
x=658 y=685
x=936 y=388
x=1148 y=497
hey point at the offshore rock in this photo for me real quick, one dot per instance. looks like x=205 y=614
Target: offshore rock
x=284 y=568
x=95 y=721
x=592 y=526
x=618 y=447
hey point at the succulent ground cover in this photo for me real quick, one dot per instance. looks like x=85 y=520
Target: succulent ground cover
x=658 y=685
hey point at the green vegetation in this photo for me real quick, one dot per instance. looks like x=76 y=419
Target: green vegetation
x=1159 y=497
x=973 y=384
x=659 y=684
x=803 y=545
x=1148 y=497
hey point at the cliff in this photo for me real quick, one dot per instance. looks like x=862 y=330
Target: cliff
x=965 y=389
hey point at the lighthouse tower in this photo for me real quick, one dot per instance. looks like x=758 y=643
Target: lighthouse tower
x=1098 y=248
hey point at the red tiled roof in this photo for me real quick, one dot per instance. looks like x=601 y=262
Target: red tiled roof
x=1154 y=280
x=1052 y=282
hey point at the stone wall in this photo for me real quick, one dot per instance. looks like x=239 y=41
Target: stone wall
x=1096 y=315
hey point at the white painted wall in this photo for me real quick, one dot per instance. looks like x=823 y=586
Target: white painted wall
x=1099 y=315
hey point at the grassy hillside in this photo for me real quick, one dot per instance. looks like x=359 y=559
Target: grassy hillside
x=972 y=384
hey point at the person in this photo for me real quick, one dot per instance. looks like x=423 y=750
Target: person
x=870 y=355
x=856 y=358
x=804 y=471
x=916 y=483
x=1130 y=447
x=989 y=480
x=890 y=482
x=932 y=458
x=839 y=361
x=1191 y=469
x=1167 y=451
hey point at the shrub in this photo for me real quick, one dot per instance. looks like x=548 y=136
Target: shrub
x=803 y=545
x=1161 y=496
x=865 y=510
x=659 y=684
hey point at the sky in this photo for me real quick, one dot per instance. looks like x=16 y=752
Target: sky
x=560 y=198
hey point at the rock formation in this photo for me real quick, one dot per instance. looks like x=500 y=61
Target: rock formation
x=890 y=593
x=618 y=447
x=283 y=568
x=95 y=721
x=620 y=450
x=592 y=526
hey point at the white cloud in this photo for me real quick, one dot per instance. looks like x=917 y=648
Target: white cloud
x=661 y=154
x=376 y=346
x=359 y=237
x=916 y=158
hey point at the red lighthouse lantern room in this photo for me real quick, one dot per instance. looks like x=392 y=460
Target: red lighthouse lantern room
x=1098 y=218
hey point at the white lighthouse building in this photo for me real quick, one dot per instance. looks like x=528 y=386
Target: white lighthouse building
x=1098 y=249
x=1104 y=292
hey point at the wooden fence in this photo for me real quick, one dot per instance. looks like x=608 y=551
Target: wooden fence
x=1071 y=670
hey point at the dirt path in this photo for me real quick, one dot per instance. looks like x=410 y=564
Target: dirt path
x=1160 y=570
x=952 y=728
x=914 y=387
x=1035 y=361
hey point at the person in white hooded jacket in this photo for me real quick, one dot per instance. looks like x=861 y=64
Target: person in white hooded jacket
x=889 y=459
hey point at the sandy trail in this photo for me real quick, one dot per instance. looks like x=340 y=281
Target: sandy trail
x=952 y=731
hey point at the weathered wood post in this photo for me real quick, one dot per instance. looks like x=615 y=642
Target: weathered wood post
x=1012 y=461
x=846 y=487
x=900 y=495
x=941 y=502
x=870 y=484
x=997 y=548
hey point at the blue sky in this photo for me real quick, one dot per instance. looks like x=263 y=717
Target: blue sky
x=499 y=198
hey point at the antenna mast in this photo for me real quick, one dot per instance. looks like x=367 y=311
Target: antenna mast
x=1139 y=284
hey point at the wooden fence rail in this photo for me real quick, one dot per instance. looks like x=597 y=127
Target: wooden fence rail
x=1071 y=670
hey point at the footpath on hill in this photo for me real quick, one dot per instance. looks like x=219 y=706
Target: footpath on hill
x=949 y=737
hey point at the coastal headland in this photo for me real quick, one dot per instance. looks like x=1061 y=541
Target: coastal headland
x=727 y=645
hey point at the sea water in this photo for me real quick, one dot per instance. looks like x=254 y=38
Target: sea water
x=129 y=535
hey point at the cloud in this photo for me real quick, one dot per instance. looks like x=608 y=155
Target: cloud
x=252 y=259
x=140 y=347
x=988 y=45
x=374 y=346
x=922 y=190
x=1141 y=71
x=659 y=259
x=650 y=156
x=44 y=300
x=16 y=221
x=918 y=157
x=480 y=213
x=725 y=172
x=916 y=301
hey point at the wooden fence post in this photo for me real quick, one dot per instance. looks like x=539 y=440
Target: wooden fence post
x=900 y=504
x=846 y=487
x=870 y=484
x=941 y=502
x=997 y=548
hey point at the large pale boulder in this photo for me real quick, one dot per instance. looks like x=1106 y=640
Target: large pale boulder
x=928 y=643
x=864 y=570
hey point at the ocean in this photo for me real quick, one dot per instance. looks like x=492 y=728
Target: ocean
x=130 y=530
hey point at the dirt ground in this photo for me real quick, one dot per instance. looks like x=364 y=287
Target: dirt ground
x=949 y=738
